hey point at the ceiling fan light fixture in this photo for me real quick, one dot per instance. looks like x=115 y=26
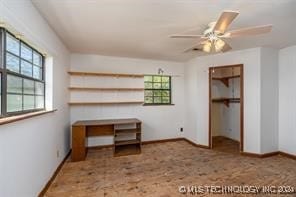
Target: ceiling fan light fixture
x=219 y=44
x=207 y=47
x=212 y=37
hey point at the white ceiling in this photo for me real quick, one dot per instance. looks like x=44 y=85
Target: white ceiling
x=140 y=28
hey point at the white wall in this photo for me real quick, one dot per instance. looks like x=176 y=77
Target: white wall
x=159 y=122
x=232 y=113
x=287 y=100
x=28 y=148
x=269 y=100
x=197 y=91
x=217 y=119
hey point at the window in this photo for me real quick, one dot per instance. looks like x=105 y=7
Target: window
x=21 y=76
x=157 y=90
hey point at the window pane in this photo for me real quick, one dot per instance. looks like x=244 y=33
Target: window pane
x=26 y=52
x=148 y=100
x=156 y=93
x=26 y=68
x=165 y=86
x=12 y=45
x=165 y=99
x=39 y=88
x=23 y=89
x=29 y=102
x=39 y=102
x=14 y=84
x=37 y=60
x=12 y=63
x=148 y=93
x=148 y=85
x=148 y=78
x=157 y=99
x=165 y=93
x=165 y=79
x=156 y=85
x=28 y=86
x=156 y=78
x=37 y=72
x=14 y=103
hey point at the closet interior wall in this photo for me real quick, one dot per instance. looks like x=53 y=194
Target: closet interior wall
x=225 y=119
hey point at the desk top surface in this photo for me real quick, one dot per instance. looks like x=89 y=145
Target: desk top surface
x=106 y=122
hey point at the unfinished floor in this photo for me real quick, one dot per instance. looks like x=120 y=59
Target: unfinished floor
x=226 y=145
x=163 y=167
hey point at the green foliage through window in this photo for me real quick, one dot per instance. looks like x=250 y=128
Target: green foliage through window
x=157 y=89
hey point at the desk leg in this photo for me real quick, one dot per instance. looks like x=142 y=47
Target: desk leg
x=78 y=143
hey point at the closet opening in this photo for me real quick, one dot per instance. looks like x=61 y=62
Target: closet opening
x=226 y=124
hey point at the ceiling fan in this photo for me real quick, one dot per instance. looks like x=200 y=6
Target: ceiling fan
x=212 y=38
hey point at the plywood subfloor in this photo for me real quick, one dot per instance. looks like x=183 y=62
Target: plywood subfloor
x=226 y=145
x=163 y=167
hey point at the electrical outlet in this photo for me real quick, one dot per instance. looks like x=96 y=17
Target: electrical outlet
x=58 y=153
x=181 y=129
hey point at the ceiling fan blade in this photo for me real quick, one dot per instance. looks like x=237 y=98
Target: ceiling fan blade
x=249 y=31
x=185 y=36
x=196 y=46
x=226 y=48
x=224 y=21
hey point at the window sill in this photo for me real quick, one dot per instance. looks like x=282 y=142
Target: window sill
x=146 y=104
x=11 y=119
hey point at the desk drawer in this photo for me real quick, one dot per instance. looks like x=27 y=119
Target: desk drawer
x=100 y=130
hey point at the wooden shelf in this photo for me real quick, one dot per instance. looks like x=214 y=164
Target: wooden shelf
x=105 y=89
x=106 y=103
x=225 y=80
x=225 y=98
x=126 y=131
x=126 y=142
x=226 y=101
x=228 y=77
x=131 y=149
x=128 y=146
x=105 y=74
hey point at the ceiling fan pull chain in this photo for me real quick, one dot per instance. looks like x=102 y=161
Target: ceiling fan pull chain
x=232 y=79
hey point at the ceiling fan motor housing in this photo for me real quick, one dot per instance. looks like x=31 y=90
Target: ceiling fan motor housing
x=210 y=28
x=210 y=33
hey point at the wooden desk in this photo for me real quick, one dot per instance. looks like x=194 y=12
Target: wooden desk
x=108 y=127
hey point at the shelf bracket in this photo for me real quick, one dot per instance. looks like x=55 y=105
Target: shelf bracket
x=226 y=102
x=225 y=81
